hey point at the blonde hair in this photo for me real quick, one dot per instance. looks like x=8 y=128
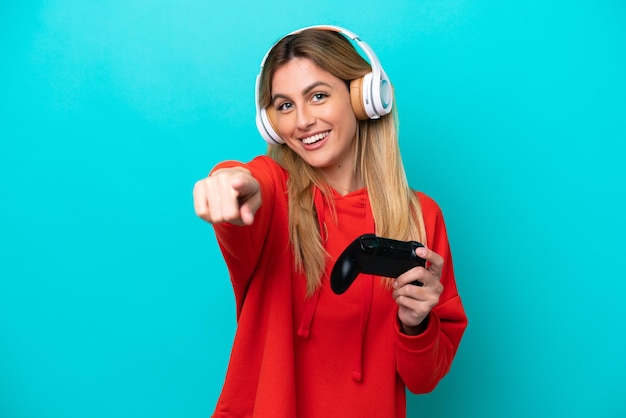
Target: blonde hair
x=396 y=209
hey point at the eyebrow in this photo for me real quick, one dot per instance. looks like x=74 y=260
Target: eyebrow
x=305 y=91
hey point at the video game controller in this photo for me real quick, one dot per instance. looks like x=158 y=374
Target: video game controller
x=370 y=254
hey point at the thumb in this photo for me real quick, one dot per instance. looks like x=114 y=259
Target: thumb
x=244 y=187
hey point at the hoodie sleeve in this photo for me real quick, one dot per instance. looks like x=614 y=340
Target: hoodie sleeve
x=242 y=246
x=423 y=360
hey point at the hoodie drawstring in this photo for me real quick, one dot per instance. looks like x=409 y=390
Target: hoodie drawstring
x=366 y=306
x=311 y=303
x=367 y=288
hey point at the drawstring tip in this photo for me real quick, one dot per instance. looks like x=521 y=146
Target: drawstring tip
x=357 y=376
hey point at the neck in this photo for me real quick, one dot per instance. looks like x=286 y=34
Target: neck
x=343 y=180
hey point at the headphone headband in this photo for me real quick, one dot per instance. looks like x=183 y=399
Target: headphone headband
x=371 y=95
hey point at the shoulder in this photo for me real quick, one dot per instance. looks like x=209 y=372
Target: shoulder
x=263 y=168
x=433 y=220
x=261 y=163
x=430 y=208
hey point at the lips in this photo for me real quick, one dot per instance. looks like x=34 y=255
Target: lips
x=314 y=138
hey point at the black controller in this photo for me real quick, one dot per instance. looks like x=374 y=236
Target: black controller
x=370 y=254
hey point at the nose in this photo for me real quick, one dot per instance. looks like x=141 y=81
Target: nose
x=305 y=117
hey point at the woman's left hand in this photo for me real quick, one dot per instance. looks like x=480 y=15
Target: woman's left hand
x=416 y=302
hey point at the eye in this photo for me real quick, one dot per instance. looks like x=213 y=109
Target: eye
x=318 y=97
x=284 y=106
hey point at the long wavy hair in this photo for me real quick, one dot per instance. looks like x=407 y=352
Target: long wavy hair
x=396 y=209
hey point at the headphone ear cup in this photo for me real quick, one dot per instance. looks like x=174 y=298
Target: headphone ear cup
x=382 y=96
x=369 y=102
x=271 y=119
x=266 y=122
x=356 y=97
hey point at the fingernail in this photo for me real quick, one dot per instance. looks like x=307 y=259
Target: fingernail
x=421 y=251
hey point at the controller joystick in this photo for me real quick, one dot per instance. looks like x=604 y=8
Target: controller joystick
x=370 y=254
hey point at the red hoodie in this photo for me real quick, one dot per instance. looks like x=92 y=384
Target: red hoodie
x=327 y=355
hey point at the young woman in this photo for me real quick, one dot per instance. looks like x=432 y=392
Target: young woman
x=333 y=172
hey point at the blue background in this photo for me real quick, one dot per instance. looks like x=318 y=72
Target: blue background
x=114 y=300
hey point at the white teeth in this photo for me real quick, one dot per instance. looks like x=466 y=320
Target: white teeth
x=314 y=138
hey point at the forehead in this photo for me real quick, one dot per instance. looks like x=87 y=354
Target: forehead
x=299 y=73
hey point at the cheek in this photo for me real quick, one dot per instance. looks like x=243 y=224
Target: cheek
x=284 y=125
x=347 y=119
x=350 y=122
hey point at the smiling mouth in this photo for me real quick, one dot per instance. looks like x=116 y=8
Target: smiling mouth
x=314 y=138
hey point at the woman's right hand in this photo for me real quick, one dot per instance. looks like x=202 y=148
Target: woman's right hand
x=230 y=195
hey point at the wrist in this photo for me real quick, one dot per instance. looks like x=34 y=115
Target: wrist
x=417 y=329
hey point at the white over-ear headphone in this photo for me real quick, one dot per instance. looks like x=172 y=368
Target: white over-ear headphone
x=371 y=95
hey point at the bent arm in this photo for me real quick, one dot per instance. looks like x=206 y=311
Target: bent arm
x=424 y=359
